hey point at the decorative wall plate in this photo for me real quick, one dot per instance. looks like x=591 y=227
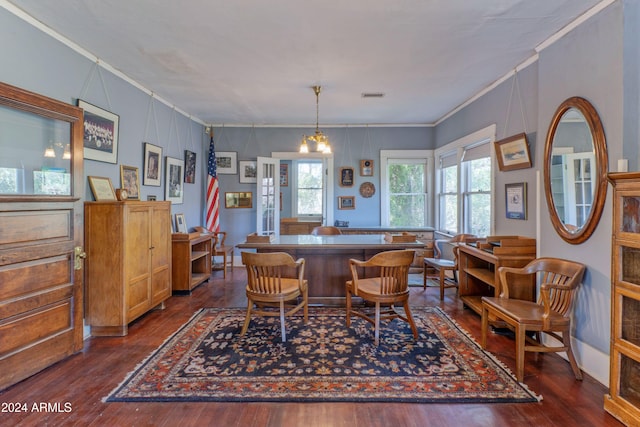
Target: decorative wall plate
x=367 y=189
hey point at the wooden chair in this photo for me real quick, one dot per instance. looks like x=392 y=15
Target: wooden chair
x=389 y=287
x=445 y=260
x=326 y=230
x=549 y=315
x=218 y=248
x=268 y=287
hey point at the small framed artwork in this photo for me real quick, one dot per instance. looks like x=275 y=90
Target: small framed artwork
x=346 y=202
x=248 y=171
x=346 y=177
x=100 y=133
x=513 y=153
x=516 y=200
x=227 y=162
x=152 y=165
x=234 y=200
x=284 y=174
x=173 y=190
x=189 y=167
x=129 y=180
x=181 y=224
x=101 y=188
x=366 y=167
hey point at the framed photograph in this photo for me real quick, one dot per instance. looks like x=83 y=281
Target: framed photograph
x=101 y=188
x=513 y=153
x=346 y=202
x=366 y=167
x=227 y=162
x=234 y=200
x=516 y=200
x=248 y=171
x=152 y=165
x=189 y=167
x=173 y=189
x=100 y=133
x=284 y=174
x=346 y=177
x=181 y=224
x=130 y=181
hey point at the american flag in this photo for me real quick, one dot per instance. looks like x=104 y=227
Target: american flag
x=213 y=192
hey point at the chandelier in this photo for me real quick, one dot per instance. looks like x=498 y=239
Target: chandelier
x=321 y=141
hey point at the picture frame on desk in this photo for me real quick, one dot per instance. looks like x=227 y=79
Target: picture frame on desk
x=181 y=224
x=130 y=181
x=101 y=188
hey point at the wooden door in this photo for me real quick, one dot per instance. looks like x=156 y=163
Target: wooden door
x=41 y=186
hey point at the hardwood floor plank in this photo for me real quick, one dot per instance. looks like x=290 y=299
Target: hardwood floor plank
x=86 y=378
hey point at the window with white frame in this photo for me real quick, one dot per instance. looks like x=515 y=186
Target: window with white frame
x=476 y=192
x=404 y=188
x=448 y=192
x=308 y=194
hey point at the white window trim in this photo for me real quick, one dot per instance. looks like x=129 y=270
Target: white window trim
x=487 y=134
x=412 y=155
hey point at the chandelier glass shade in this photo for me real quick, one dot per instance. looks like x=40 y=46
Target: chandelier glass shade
x=318 y=138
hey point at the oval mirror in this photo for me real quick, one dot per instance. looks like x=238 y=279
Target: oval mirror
x=575 y=168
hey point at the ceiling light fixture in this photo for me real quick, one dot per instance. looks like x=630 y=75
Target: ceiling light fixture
x=321 y=141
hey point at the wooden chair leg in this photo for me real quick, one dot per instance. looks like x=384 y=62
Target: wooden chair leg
x=224 y=265
x=376 y=331
x=442 y=278
x=520 y=333
x=282 y=331
x=566 y=339
x=424 y=276
x=247 y=319
x=484 y=327
x=407 y=312
x=348 y=307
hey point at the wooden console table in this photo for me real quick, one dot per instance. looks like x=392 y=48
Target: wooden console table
x=478 y=269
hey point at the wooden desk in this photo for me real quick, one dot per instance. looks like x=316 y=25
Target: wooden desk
x=327 y=259
x=478 y=275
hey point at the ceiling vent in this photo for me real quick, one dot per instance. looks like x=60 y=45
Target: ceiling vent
x=373 y=95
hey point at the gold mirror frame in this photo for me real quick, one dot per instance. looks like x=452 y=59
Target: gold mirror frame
x=600 y=147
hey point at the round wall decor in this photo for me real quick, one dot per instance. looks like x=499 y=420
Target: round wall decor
x=367 y=189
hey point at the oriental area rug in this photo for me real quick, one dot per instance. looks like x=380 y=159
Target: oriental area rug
x=323 y=361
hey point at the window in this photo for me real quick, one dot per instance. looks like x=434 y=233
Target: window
x=8 y=181
x=465 y=184
x=448 y=193
x=404 y=188
x=308 y=193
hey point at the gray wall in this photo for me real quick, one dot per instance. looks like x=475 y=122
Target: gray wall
x=34 y=61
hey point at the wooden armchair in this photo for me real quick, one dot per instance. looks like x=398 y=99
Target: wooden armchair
x=445 y=260
x=218 y=248
x=326 y=230
x=389 y=287
x=549 y=315
x=269 y=288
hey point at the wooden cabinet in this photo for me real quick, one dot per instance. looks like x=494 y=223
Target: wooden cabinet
x=293 y=226
x=623 y=400
x=190 y=260
x=478 y=265
x=128 y=268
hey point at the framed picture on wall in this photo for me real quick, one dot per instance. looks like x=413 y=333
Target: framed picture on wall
x=346 y=177
x=173 y=189
x=100 y=133
x=181 y=224
x=284 y=175
x=248 y=171
x=516 y=200
x=366 y=167
x=346 y=202
x=513 y=153
x=152 y=165
x=189 y=167
x=227 y=162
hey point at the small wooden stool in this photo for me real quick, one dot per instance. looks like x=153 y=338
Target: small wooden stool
x=441 y=266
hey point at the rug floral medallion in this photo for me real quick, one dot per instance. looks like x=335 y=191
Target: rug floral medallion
x=208 y=360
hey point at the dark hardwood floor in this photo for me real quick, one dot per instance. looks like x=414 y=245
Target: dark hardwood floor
x=78 y=384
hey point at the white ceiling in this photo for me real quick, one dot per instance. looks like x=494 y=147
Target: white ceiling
x=254 y=61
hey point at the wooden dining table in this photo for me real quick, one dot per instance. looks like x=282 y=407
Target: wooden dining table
x=327 y=258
